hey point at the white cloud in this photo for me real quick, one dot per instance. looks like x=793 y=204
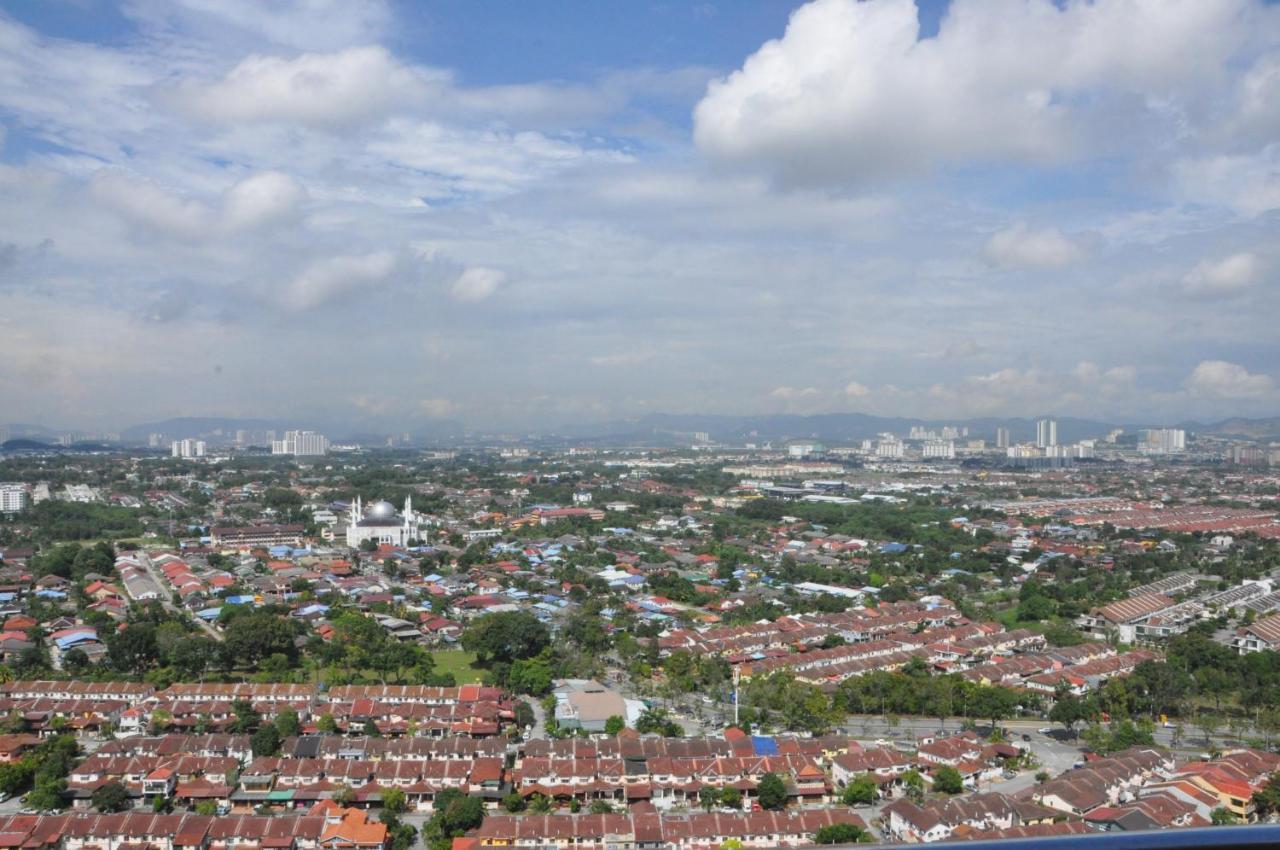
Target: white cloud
x=477 y=283
x=1222 y=380
x=306 y=24
x=153 y=206
x=439 y=408
x=262 y=199
x=1227 y=276
x=325 y=90
x=853 y=389
x=334 y=277
x=851 y=92
x=1248 y=183
x=1021 y=247
x=791 y=393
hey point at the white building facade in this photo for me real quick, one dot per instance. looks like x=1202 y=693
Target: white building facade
x=381 y=524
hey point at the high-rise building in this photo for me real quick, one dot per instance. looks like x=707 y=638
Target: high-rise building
x=187 y=448
x=13 y=498
x=301 y=443
x=1162 y=441
x=1046 y=433
x=938 y=448
x=889 y=446
x=1002 y=438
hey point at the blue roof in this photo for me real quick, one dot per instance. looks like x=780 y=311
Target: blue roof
x=209 y=613
x=893 y=548
x=239 y=600
x=78 y=637
x=764 y=746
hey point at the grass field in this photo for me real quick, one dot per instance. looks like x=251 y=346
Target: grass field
x=458 y=662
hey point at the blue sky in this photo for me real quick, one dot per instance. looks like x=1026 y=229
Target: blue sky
x=530 y=213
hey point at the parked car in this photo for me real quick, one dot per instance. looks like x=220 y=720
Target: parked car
x=1026 y=737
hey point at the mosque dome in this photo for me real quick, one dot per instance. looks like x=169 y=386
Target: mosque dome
x=381 y=510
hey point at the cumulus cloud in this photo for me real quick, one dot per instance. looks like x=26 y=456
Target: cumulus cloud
x=326 y=90
x=851 y=91
x=334 y=277
x=1021 y=247
x=1219 y=379
x=151 y=205
x=262 y=199
x=477 y=283
x=1228 y=276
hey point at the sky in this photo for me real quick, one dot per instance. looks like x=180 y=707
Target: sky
x=522 y=214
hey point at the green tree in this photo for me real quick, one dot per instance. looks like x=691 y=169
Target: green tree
x=16 y=776
x=247 y=717
x=506 y=636
x=861 y=791
x=771 y=792
x=513 y=802
x=327 y=724
x=1068 y=711
x=614 y=724
x=731 y=797
x=840 y=833
x=1267 y=798
x=133 y=650
x=193 y=656
x=287 y=723
x=708 y=797
x=266 y=741
x=111 y=797
x=947 y=780
x=394 y=801
x=250 y=639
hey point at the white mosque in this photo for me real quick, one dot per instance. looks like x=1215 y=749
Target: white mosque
x=381 y=524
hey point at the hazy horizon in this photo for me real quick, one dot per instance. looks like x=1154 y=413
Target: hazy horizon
x=335 y=210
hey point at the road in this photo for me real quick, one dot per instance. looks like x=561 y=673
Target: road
x=539 y=718
x=167 y=597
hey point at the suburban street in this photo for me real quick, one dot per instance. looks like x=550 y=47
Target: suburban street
x=166 y=596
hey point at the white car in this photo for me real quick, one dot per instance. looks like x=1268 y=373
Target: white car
x=1045 y=730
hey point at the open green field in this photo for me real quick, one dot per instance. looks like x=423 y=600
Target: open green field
x=458 y=662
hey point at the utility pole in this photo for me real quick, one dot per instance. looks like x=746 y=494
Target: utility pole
x=736 y=674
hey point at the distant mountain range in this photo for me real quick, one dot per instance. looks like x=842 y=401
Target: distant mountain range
x=660 y=428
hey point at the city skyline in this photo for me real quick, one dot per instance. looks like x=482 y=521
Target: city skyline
x=513 y=217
